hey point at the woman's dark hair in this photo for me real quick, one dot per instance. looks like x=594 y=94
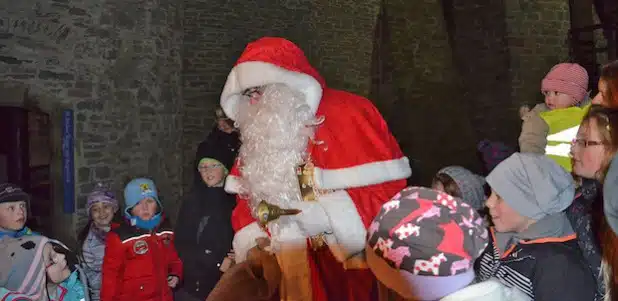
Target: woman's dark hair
x=450 y=186
x=81 y=238
x=83 y=234
x=70 y=256
x=609 y=74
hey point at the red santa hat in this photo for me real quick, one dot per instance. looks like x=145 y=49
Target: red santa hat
x=271 y=60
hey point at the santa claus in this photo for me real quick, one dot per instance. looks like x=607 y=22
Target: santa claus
x=305 y=146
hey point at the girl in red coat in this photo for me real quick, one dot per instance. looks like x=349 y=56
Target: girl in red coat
x=140 y=260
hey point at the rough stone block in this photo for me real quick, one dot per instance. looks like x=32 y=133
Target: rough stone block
x=83 y=175
x=102 y=173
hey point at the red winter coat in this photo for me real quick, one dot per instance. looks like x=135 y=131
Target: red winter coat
x=137 y=263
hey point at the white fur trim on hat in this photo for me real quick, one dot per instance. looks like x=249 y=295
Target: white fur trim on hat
x=254 y=74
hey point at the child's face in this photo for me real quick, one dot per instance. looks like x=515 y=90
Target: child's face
x=437 y=185
x=556 y=100
x=145 y=209
x=13 y=215
x=212 y=173
x=505 y=218
x=225 y=125
x=55 y=265
x=102 y=214
x=599 y=99
x=588 y=152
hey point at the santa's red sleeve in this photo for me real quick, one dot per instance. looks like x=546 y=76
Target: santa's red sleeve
x=246 y=228
x=358 y=158
x=357 y=148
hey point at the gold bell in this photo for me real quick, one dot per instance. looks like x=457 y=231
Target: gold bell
x=267 y=212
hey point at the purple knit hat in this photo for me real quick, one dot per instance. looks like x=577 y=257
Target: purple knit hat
x=425 y=238
x=493 y=153
x=101 y=193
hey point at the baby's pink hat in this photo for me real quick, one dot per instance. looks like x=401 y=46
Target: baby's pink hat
x=567 y=78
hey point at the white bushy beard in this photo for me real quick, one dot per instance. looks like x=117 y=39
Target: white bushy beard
x=274 y=134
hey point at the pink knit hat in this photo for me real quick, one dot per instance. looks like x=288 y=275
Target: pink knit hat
x=567 y=78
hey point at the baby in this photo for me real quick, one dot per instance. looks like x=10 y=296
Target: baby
x=550 y=127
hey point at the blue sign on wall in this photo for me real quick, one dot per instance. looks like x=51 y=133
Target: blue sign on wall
x=68 y=164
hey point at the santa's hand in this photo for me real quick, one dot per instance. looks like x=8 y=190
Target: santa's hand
x=313 y=220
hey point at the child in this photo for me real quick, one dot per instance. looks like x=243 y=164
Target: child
x=13 y=211
x=423 y=244
x=608 y=86
x=140 y=260
x=461 y=183
x=550 y=127
x=532 y=245
x=223 y=136
x=204 y=232
x=101 y=207
x=39 y=269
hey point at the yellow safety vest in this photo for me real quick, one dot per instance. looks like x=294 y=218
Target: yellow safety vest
x=563 y=126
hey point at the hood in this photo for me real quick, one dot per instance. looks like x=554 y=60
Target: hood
x=610 y=195
x=533 y=185
x=471 y=186
x=490 y=290
x=271 y=60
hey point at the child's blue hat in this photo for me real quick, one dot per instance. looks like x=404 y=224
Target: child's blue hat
x=137 y=190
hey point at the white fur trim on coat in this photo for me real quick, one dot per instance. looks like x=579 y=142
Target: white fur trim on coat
x=244 y=240
x=253 y=74
x=232 y=184
x=363 y=175
x=346 y=225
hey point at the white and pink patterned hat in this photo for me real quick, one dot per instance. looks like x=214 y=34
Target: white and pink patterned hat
x=423 y=238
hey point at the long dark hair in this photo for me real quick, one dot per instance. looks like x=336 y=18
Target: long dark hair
x=609 y=74
x=83 y=234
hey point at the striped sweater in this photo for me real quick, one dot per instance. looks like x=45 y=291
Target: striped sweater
x=546 y=269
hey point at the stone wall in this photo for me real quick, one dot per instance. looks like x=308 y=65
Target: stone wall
x=335 y=35
x=537 y=34
x=144 y=76
x=469 y=65
x=481 y=53
x=422 y=99
x=117 y=65
x=503 y=49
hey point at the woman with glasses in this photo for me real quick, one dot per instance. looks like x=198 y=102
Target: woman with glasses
x=591 y=153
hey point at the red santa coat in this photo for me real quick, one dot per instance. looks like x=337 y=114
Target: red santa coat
x=358 y=157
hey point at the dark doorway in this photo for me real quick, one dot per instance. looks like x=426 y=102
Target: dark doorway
x=25 y=159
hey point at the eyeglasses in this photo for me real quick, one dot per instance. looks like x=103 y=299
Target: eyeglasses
x=210 y=166
x=252 y=92
x=586 y=143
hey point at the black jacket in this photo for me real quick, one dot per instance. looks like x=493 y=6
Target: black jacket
x=204 y=237
x=543 y=269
